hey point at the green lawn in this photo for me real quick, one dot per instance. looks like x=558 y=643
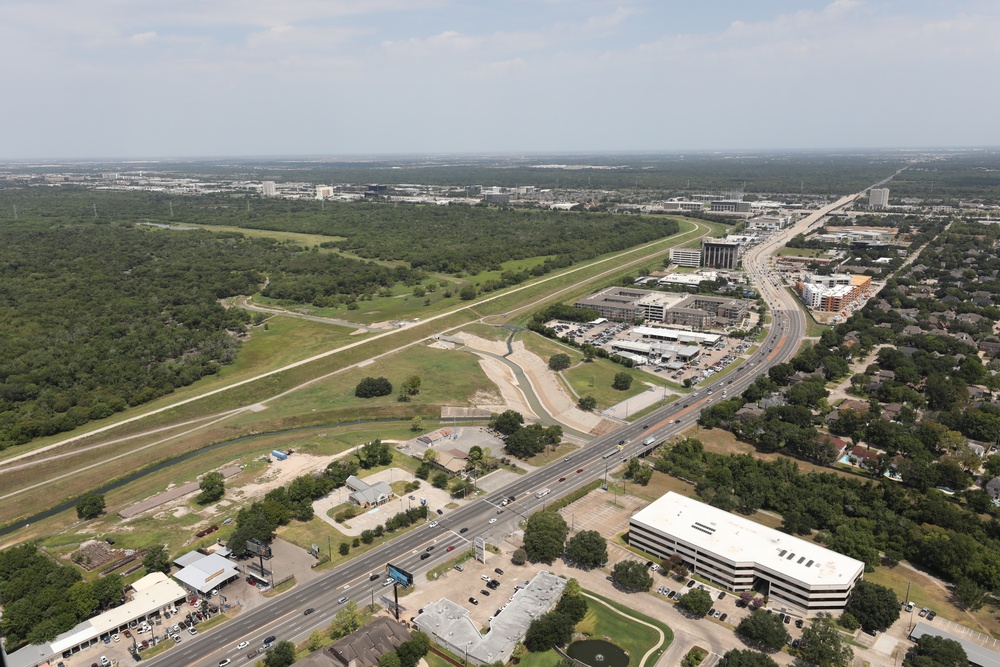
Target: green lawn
x=602 y=622
x=595 y=378
x=448 y=377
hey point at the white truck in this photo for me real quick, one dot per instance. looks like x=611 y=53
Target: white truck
x=648 y=441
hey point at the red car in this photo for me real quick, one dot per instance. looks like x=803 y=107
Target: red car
x=562 y=479
x=579 y=470
x=450 y=547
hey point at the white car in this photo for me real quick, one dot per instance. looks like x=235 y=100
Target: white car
x=435 y=523
x=115 y=637
x=223 y=663
x=105 y=661
x=493 y=520
x=242 y=645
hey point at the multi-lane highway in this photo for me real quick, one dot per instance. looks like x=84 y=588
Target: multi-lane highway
x=284 y=616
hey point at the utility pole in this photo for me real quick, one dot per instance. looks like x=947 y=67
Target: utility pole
x=15 y=211
x=95 y=210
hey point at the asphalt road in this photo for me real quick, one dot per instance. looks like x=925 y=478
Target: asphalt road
x=284 y=616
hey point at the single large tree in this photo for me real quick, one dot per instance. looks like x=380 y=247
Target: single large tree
x=741 y=658
x=281 y=654
x=90 y=506
x=559 y=362
x=156 y=559
x=823 y=645
x=632 y=576
x=622 y=381
x=544 y=536
x=875 y=606
x=213 y=487
x=548 y=630
x=763 y=630
x=347 y=620
x=935 y=651
x=696 y=602
x=588 y=549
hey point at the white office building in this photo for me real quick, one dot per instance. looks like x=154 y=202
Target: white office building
x=740 y=555
x=690 y=257
x=878 y=197
x=269 y=189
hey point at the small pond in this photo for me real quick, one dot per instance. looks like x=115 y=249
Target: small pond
x=598 y=653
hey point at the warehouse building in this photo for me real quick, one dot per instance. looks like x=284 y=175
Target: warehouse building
x=741 y=555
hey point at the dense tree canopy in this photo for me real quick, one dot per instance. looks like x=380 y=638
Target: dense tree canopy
x=696 y=602
x=588 y=549
x=544 y=536
x=763 y=629
x=935 y=651
x=741 y=658
x=875 y=606
x=90 y=506
x=631 y=576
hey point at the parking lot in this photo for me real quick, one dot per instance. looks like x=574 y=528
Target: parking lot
x=710 y=360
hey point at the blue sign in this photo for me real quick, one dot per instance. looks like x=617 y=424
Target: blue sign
x=399 y=575
x=423 y=501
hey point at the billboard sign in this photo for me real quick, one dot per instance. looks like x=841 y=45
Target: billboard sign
x=480 y=545
x=399 y=575
x=258 y=548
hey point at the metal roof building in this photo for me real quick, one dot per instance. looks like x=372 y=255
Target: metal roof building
x=152 y=594
x=203 y=573
x=978 y=656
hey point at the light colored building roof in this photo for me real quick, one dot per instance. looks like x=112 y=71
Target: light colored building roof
x=207 y=572
x=743 y=541
x=677 y=334
x=364 y=493
x=450 y=625
x=153 y=592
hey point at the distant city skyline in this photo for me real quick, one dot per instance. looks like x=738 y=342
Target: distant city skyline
x=103 y=79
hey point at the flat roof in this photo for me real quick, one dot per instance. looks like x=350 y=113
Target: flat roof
x=450 y=624
x=207 y=573
x=742 y=541
x=977 y=655
x=678 y=334
x=153 y=592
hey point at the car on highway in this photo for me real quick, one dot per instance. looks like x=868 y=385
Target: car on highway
x=562 y=479
x=430 y=548
x=464 y=530
x=493 y=520
x=224 y=662
x=342 y=599
x=270 y=640
x=242 y=645
x=621 y=442
x=579 y=470
x=374 y=576
x=424 y=556
x=566 y=459
x=433 y=524
x=308 y=611
x=451 y=547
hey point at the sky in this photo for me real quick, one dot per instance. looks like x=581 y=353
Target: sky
x=201 y=78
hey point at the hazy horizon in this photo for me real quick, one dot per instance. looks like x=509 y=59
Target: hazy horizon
x=307 y=80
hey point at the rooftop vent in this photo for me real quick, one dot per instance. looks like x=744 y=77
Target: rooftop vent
x=783 y=552
x=790 y=557
x=801 y=559
x=810 y=563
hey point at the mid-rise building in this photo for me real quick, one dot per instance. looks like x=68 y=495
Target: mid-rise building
x=834 y=292
x=324 y=191
x=878 y=197
x=730 y=206
x=615 y=303
x=690 y=257
x=269 y=189
x=740 y=554
x=720 y=254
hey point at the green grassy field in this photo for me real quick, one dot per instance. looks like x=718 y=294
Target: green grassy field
x=595 y=379
x=613 y=624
